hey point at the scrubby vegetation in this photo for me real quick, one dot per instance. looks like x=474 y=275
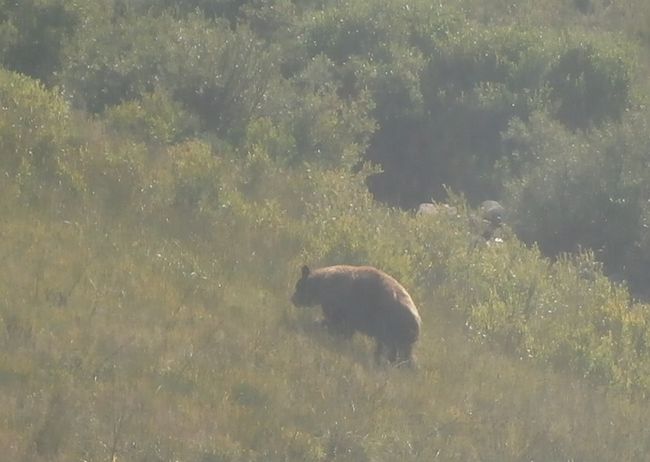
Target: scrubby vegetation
x=167 y=167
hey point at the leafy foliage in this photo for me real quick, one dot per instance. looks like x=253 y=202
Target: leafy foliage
x=155 y=118
x=582 y=192
x=32 y=35
x=116 y=62
x=35 y=140
x=591 y=86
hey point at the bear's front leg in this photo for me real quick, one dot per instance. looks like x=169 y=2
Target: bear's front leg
x=387 y=350
x=339 y=327
x=336 y=323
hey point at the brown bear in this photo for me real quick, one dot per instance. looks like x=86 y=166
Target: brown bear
x=363 y=299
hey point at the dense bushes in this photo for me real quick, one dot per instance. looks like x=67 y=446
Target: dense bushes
x=220 y=75
x=32 y=35
x=472 y=86
x=153 y=118
x=445 y=88
x=582 y=192
x=590 y=85
x=36 y=141
x=448 y=94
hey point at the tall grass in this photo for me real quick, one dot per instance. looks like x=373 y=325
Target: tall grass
x=168 y=334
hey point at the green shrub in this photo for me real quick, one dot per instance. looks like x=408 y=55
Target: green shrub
x=156 y=119
x=211 y=9
x=580 y=192
x=590 y=84
x=473 y=82
x=113 y=62
x=181 y=188
x=35 y=138
x=109 y=62
x=114 y=174
x=328 y=128
x=32 y=35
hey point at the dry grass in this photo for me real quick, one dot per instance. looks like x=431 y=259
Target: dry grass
x=119 y=344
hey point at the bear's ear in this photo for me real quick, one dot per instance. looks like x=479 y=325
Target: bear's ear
x=305 y=271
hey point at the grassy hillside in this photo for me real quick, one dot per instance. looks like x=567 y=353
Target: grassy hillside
x=169 y=168
x=125 y=341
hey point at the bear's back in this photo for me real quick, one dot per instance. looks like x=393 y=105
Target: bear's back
x=362 y=281
x=364 y=290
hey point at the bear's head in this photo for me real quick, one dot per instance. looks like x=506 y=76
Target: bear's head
x=305 y=293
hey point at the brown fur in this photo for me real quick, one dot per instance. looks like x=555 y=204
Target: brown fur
x=363 y=299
